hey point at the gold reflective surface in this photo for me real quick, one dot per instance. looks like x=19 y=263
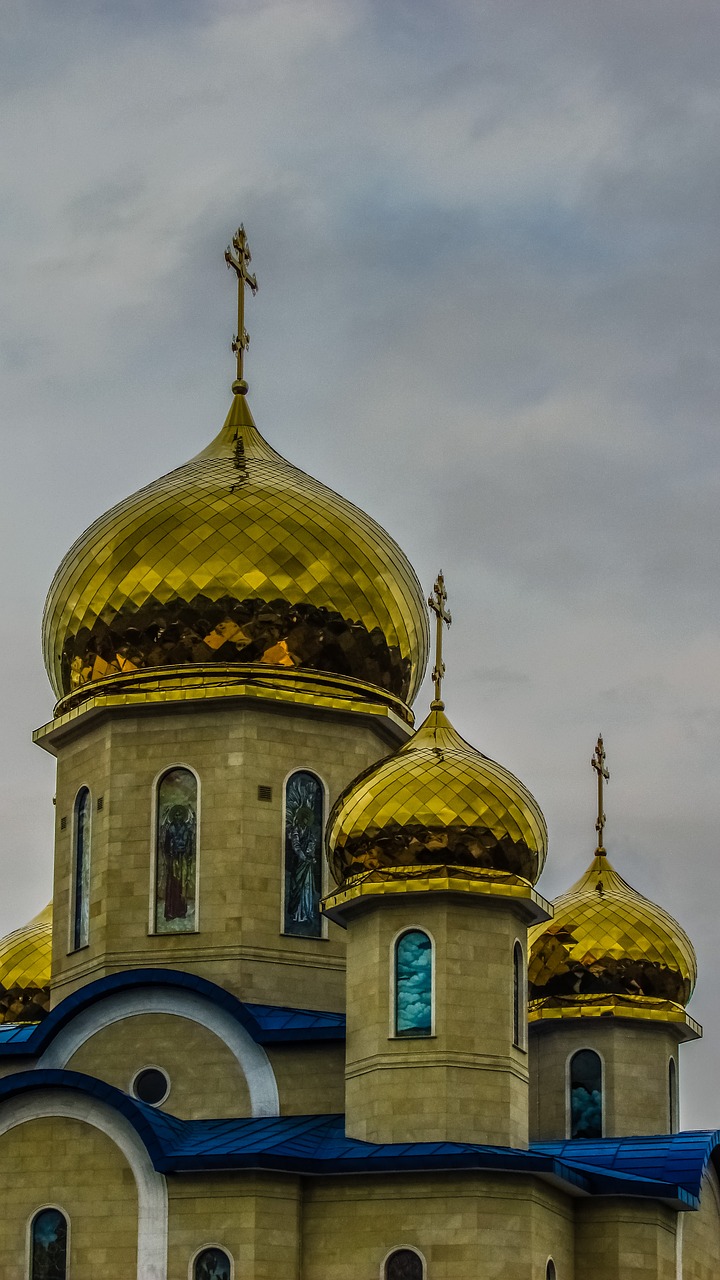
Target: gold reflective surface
x=236 y=557
x=606 y=940
x=25 y=970
x=437 y=803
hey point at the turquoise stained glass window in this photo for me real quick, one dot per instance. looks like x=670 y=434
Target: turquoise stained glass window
x=413 y=984
x=586 y=1120
x=212 y=1264
x=48 y=1246
x=81 y=888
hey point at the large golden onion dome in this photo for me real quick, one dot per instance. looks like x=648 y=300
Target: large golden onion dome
x=25 y=970
x=609 y=948
x=437 y=804
x=236 y=557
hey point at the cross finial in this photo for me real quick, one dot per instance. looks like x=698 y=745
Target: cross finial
x=437 y=602
x=237 y=256
x=598 y=764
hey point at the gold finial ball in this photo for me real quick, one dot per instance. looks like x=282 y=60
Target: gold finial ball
x=437 y=803
x=240 y=387
x=605 y=938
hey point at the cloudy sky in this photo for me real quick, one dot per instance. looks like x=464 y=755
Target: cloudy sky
x=486 y=233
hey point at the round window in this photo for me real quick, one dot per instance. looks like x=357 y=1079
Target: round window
x=151 y=1085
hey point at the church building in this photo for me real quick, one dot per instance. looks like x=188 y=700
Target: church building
x=297 y=1010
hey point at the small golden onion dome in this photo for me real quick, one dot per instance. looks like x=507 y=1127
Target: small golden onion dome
x=607 y=945
x=437 y=803
x=25 y=970
x=236 y=557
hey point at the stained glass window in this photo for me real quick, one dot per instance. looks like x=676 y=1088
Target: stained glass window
x=586 y=1095
x=176 y=852
x=404 y=1264
x=81 y=888
x=518 y=996
x=413 y=984
x=303 y=855
x=673 y=1096
x=48 y=1246
x=212 y=1264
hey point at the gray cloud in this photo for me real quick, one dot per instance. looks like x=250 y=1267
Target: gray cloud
x=486 y=236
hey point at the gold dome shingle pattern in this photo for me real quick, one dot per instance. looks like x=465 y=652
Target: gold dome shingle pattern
x=437 y=803
x=605 y=939
x=25 y=970
x=236 y=557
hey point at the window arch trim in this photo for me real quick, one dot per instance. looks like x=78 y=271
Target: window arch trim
x=399 y=1248
x=211 y=1244
x=168 y=768
x=83 y=790
x=393 y=1032
x=587 y=1048
x=43 y=1208
x=324 y=868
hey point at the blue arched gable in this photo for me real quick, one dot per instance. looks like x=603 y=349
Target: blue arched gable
x=266 y=1024
x=156 y=1130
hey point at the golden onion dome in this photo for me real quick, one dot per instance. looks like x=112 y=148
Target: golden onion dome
x=609 y=947
x=437 y=803
x=236 y=557
x=25 y=970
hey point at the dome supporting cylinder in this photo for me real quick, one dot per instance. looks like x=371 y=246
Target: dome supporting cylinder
x=466 y=1081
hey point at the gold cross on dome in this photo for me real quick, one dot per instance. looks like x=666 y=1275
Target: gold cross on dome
x=437 y=602
x=598 y=764
x=238 y=256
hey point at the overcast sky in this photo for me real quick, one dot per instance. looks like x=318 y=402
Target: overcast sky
x=486 y=235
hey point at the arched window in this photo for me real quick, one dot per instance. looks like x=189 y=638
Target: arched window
x=404 y=1264
x=212 y=1264
x=48 y=1245
x=673 y=1097
x=81 y=869
x=176 y=852
x=586 y=1095
x=413 y=984
x=304 y=802
x=519 y=1014
x=550 y=1272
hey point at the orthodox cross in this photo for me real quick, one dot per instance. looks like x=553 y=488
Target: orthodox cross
x=437 y=602
x=237 y=256
x=598 y=764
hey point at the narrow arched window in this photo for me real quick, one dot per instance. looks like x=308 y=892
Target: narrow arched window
x=304 y=801
x=81 y=869
x=48 y=1245
x=404 y=1264
x=550 y=1271
x=176 y=852
x=673 y=1097
x=518 y=996
x=413 y=984
x=212 y=1264
x=586 y=1119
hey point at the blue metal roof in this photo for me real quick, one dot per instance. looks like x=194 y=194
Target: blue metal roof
x=668 y=1168
x=267 y=1024
x=677 y=1158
